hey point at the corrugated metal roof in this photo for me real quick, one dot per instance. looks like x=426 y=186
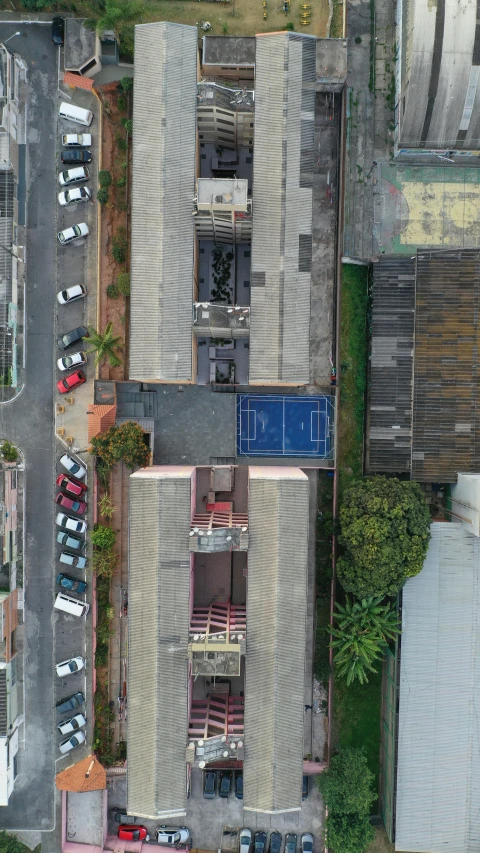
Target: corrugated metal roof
x=163 y=187
x=276 y=618
x=280 y=280
x=391 y=366
x=158 y=625
x=438 y=777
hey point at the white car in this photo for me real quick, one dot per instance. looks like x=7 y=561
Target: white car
x=70 y=523
x=77 y=291
x=76 y=140
x=75 y=740
x=75 y=232
x=67 y=667
x=74 y=360
x=172 y=836
x=72 y=725
x=73 y=176
x=73 y=467
x=75 y=194
x=245 y=840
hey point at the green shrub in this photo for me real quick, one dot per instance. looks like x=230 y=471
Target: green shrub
x=127 y=84
x=34 y=5
x=123 y=283
x=104 y=178
x=121 y=142
x=119 y=247
x=103 y=537
x=128 y=124
x=113 y=291
x=122 y=182
x=122 y=103
x=290 y=27
x=102 y=195
x=9 y=452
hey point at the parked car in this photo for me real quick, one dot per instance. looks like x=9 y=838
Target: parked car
x=71 y=294
x=70 y=702
x=72 y=725
x=72 y=742
x=209 y=785
x=173 y=836
x=307 y=843
x=70 y=666
x=291 y=843
x=76 y=155
x=68 y=522
x=57 y=30
x=225 y=784
x=74 y=360
x=73 y=560
x=75 y=195
x=68 y=503
x=73 y=337
x=70 y=382
x=74 y=467
x=121 y=816
x=239 y=785
x=275 y=843
x=245 y=840
x=304 y=786
x=72 y=584
x=130 y=832
x=74 y=232
x=76 y=140
x=73 y=176
x=71 y=485
x=260 y=842
x=69 y=541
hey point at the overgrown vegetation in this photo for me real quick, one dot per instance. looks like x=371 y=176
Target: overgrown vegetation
x=362 y=630
x=8 y=451
x=347 y=790
x=323 y=577
x=11 y=844
x=124 y=443
x=221 y=266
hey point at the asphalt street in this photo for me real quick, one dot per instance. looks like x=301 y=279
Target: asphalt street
x=28 y=421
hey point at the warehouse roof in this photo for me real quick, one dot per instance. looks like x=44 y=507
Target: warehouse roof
x=280 y=280
x=158 y=626
x=438 y=775
x=276 y=612
x=163 y=187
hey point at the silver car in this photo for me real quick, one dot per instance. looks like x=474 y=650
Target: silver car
x=72 y=742
x=72 y=725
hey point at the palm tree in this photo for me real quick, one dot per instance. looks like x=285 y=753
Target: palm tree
x=104 y=346
x=364 y=629
x=114 y=14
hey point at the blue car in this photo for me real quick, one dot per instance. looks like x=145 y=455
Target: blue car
x=71 y=584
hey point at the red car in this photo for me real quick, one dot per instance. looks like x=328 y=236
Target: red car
x=130 y=832
x=69 y=503
x=70 y=484
x=71 y=382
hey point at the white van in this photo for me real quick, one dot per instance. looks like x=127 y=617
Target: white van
x=71 y=605
x=77 y=114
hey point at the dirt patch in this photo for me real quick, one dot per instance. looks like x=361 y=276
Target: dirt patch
x=380 y=844
x=114 y=217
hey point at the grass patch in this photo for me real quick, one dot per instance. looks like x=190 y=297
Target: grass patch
x=336 y=27
x=380 y=843
x=323 y=563
x=353 y=372
x=356 y=722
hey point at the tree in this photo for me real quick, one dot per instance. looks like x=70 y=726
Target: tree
x=9 y=452
x=364 y=629
x=385 y=529
x=346 y=785
x=102 y=195
x=114 y=14
x=127 y=84
x=105 y=346
x=104 y=178
x=103 y=537
x=11 y=844
x=348 y=833
x=123 y=443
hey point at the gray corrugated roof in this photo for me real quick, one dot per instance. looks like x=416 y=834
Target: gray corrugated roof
x=276 y=619
x=282 y=208
x=163 y=187
x=158 y=624
x=438 y=777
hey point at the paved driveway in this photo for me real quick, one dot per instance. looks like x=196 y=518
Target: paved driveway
x=28 y=421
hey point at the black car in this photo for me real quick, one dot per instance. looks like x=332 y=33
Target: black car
x=67 y=582
x=304 y=787
x=76 y=155
x=239 y=785
x=259 y=842
x=225 y=784
x=291 y=843
x=57 y=30
x=70 y=338
x=209 y=785
x=70 y=702
x=121 y=816
x=275 y=842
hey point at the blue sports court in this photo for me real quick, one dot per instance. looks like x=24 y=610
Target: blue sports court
x=284 y=426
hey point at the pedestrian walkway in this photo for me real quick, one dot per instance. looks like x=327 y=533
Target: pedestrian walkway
x=119 y=485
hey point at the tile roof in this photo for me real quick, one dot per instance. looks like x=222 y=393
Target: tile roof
x=76 y=81
x=86 y=775
x=100 y=418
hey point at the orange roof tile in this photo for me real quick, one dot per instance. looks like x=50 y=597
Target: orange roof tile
x=76 y=81
x=100 y=418
x=86 y=775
